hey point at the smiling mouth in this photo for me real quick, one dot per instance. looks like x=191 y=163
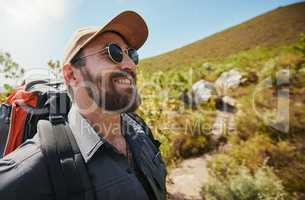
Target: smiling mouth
x=123 y=81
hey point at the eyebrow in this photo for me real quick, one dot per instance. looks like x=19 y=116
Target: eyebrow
x=123 y=46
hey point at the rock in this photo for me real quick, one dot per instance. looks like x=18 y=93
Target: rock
x=229 y=101
x=244 y=81
x=226 y=104
x=248 y=78
x=230 y=79
x=203 y=91
x=188 y=99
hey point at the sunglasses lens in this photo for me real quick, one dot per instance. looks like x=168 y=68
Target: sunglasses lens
x=133 y=54
x=115 y=53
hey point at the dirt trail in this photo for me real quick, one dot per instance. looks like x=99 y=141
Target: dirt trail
x=185 y=181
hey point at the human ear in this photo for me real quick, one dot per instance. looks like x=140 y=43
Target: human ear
x=71 y=75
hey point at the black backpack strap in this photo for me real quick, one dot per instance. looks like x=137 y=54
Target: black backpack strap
x=5 y=121
x=66 y=165
x=49 y=150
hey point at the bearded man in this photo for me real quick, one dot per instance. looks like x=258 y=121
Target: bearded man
x=119 y=153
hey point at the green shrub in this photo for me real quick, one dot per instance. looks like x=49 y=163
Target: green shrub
x=300 y=46
x=222 y=166
x=7 y=91
x=252 y=152
x=289 y=163
x=187 y=145
x=263 y=185
x=285 y=157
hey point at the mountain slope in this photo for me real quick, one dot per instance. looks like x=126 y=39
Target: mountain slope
x=278 y=27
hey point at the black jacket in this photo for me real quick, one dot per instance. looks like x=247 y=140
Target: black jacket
x=24 y=173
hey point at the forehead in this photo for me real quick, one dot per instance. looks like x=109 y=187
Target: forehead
x=105 y=38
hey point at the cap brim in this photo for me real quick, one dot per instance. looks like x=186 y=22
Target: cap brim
x=128 y=24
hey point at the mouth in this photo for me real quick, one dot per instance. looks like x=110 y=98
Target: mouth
x=123 y=82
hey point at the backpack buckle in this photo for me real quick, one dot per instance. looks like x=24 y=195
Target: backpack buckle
x=57 y=119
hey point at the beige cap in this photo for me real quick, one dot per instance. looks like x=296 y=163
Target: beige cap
x=129 y=24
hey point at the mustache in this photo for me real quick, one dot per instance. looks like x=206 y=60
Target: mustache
x=109 y=75
x=124 y=73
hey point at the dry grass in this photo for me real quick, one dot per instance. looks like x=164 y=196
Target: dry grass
x=278 y=27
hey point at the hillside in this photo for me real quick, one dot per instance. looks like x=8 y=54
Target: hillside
x=254 y=151
x=275 y=28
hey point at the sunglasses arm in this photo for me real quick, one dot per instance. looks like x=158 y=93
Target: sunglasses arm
x=95 y=53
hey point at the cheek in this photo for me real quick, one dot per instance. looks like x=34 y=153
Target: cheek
x=98 y=63
x=105 y=82
x=83 y=100
x=104 y=78
x=100 y=72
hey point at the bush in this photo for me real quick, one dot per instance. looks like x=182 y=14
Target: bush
x=222 y=166
x=285 y=157
x=289 y=163
x=8 y=90
x=263 y=185
x=187 y=145
x=252 y=152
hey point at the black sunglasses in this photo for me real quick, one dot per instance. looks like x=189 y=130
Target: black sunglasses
x=115 y=53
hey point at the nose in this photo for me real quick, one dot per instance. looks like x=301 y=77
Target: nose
x=127 y=63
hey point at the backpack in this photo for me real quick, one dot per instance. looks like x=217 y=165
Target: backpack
x=43 y=105
x=27 y=105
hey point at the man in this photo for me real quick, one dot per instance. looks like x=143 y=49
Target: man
x=123 y=163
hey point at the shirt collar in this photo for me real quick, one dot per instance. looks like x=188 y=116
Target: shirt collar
x=86 y=137
x=88 y=140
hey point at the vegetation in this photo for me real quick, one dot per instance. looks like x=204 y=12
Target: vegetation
x=55 y=69
x=243 y=185
x=9 y=68
x=259 y=160
x=279 y=27
x=13 y=72
x=262 y=158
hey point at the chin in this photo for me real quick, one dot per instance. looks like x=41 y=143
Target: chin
x=131 y=107
x=121 y=104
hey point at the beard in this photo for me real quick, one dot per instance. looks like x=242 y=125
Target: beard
x=108 y=95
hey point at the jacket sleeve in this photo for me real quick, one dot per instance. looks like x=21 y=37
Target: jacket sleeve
x=8 y=178
x=23 y=174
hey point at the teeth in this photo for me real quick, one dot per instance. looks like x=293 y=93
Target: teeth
x=123 y=81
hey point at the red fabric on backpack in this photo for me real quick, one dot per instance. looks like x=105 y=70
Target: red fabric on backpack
x=18 y=116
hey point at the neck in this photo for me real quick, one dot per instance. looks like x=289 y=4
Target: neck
x=105 y=123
